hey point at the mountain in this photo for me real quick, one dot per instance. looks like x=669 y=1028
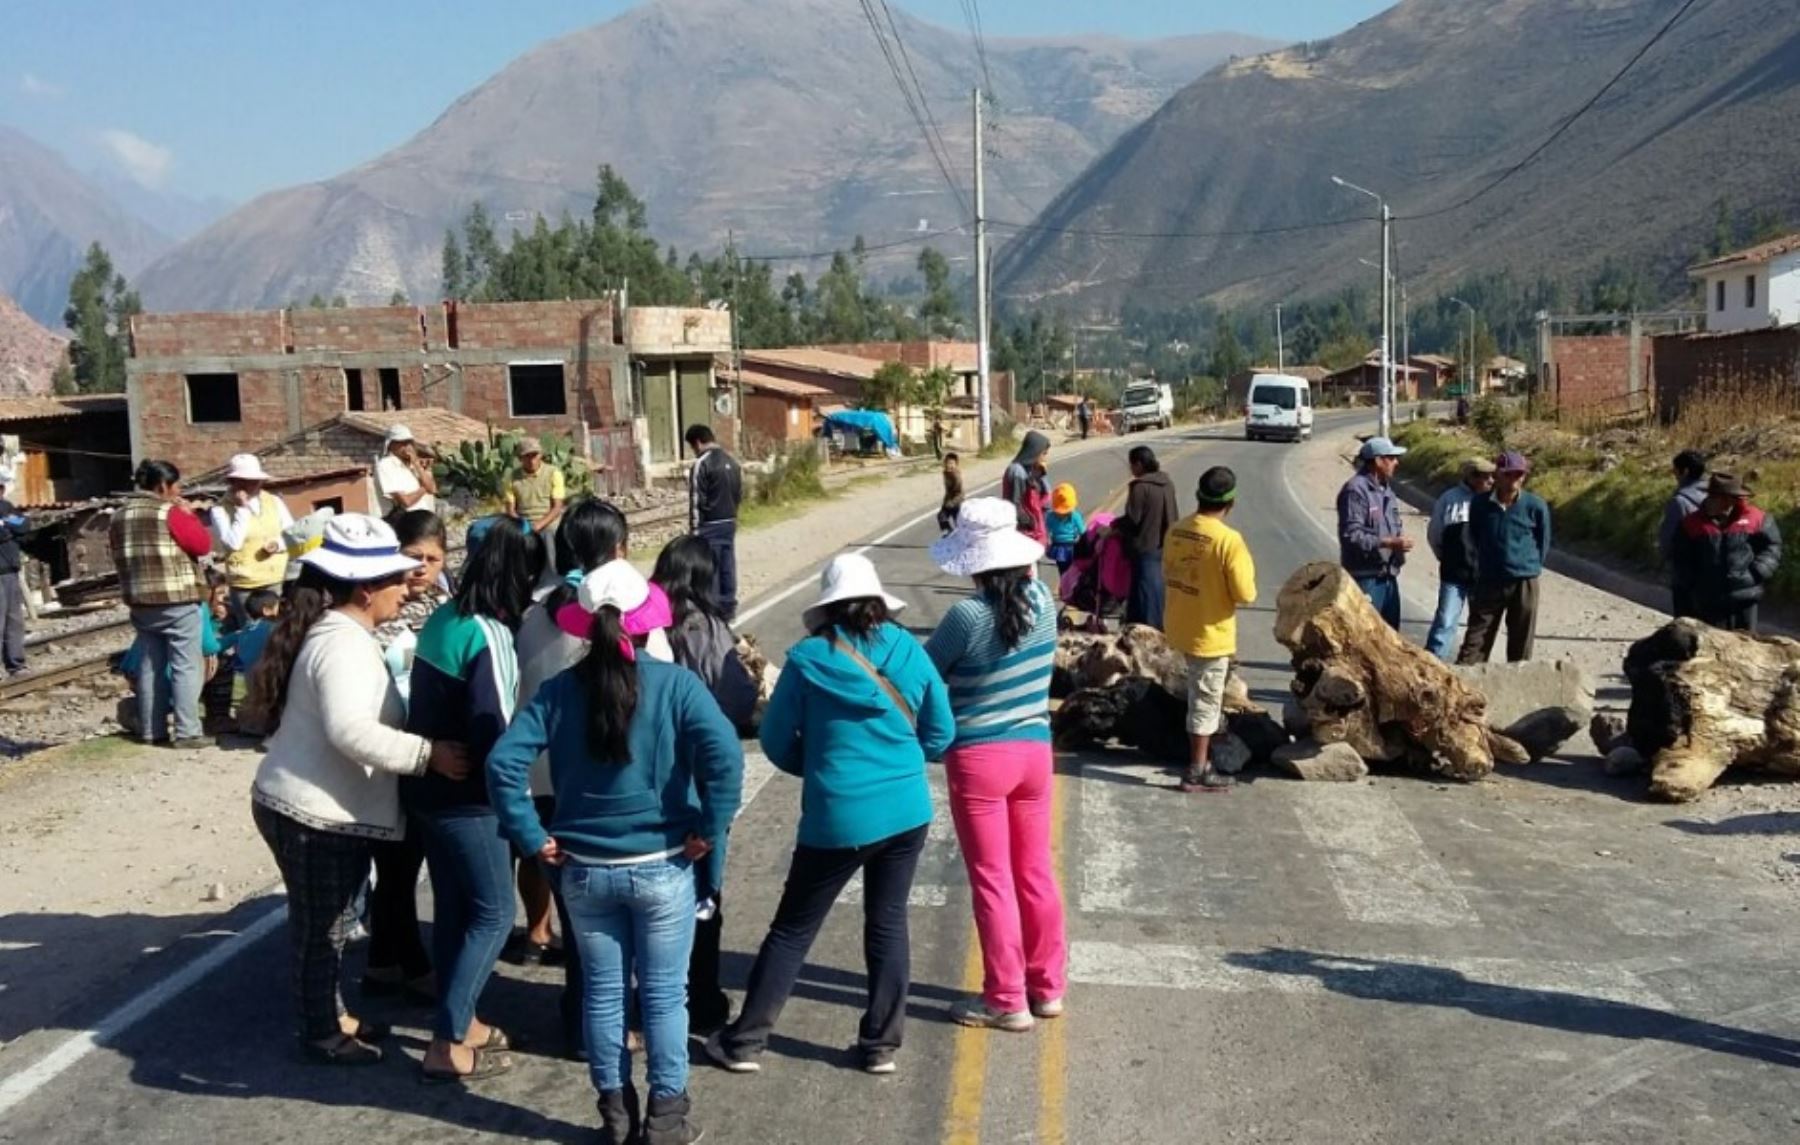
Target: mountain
x=172 y=213
x=776 y=120
x=48 y=217
x=1429 y=103
x=29 y=354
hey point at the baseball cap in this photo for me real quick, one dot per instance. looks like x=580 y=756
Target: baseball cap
x=1380 y=447
x=1512 y=461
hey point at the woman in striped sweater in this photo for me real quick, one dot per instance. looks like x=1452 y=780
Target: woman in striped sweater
x=996 y=651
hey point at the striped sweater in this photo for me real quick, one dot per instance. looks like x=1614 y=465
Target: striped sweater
x=997 y=694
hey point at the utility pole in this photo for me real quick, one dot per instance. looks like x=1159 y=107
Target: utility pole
x=1405 y=330
x=983 y=401
x=1387 y=303
x=1280 y=349
x=1468 y=358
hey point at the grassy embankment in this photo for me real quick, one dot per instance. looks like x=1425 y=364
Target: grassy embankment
x=1607 y=487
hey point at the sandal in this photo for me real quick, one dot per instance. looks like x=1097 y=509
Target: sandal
x=497 y=1041
x=344 y=1050
x=367 y=1031
x=487 y=1064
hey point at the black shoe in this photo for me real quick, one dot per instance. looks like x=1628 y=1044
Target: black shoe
x=1206 y=782
x=521 y=951
x=192 y=743
x=668 y=1122
x=620 y=1116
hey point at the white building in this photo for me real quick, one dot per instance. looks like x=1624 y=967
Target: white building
x=1752 y=289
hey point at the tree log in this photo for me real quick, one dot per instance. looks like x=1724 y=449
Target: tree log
x=1704 y=700
x=1359 y=683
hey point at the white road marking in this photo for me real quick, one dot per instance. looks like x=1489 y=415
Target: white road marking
x=1479 y=983
x=1113 y=862
x=1377 y=862
x=46 y=1069
x=941 y=860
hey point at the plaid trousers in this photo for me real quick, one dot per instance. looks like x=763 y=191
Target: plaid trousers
x=323 y=872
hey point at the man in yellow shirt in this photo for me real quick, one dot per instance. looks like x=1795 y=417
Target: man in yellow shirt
x=1208 y=575
x=537 y=495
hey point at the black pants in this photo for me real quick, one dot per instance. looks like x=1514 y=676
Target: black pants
x=322 y=871
x=394 y=942
x=1739 y=619
x=1145 y=605
x=12 y=622
x=815 y=879
x=721 y=537
x=1516 y=602
x=1681 y=603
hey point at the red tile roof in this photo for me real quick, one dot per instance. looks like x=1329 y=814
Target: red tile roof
x=1758 y=254
x=768 y=383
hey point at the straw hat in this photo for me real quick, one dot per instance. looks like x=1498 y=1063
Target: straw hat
x=986 y=537
x=848 y=577
x=358 y=548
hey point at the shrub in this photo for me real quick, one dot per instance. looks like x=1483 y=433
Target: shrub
x=484 y=469
x=1492 y=418
x=793 y=476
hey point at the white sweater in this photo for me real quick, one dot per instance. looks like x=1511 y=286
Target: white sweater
x=334 y=763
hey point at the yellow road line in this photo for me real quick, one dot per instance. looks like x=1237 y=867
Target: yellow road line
x=1053 y=1047
x=968 y=1066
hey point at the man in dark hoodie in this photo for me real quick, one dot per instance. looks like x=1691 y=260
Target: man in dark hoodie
x=1026 y=483
x=1690 y=491
x=1150 y=512
x=1726 y=552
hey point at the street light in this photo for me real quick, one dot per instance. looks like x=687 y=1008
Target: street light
x=1469 y=359
x=1387 y=303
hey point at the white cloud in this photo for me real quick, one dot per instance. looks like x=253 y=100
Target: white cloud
x=41 y=88
x=147 y=163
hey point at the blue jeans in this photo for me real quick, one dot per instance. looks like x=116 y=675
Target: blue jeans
x=1145 y=605
x=1441 y=640
x=1384 y=594
x=471 y=908
x=637 y=918
x=169 y=674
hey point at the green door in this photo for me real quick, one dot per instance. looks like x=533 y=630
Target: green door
x=659 y=407
x=696 y=394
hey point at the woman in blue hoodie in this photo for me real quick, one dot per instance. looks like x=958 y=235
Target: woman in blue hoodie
x=858 y=711
x=647 y=774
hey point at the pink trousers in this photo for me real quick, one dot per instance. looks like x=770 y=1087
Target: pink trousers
x=1000 y=800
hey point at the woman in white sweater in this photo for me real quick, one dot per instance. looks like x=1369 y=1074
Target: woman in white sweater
x=327 y=789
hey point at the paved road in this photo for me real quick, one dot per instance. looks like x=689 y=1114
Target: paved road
x=1390 y=962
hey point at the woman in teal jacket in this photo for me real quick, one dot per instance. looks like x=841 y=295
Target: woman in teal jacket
x=858 y=711
x=647 y=773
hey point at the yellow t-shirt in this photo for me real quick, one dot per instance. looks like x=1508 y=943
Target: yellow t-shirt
x=1209 y=574
x=532 y=495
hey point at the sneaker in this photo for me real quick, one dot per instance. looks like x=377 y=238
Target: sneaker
x=191 y=743
x=878 y=1060
x=975 y=1012
x=1047 y=1008
x=1206 y=782
x=726 y=1060
x=667 y=1122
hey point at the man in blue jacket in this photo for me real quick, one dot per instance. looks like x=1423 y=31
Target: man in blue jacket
x=13 y=528
x=1370 y=543
x=1509 y=530
x=1448 y=537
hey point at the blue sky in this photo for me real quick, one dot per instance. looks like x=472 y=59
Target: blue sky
x=236 y=97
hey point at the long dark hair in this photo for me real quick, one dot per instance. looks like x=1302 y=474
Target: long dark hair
x=859 y=617
x=686 y=572
x=153 y=475
x=590 y=533
x=500 y=573
x=1009 y=591
x=609 y=682
x=308 y=598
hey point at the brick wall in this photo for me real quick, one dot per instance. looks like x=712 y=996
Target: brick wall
x=1593 y=374
x=1760 y=366
x=218 y=335
x=399 y=329
x=667 y=330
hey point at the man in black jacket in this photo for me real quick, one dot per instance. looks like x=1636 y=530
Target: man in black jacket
x=1725 y=554
x=1151 y=510
x=12 y=586
x=715 y=489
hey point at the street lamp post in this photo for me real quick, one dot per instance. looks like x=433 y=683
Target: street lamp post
x=1469 y=358
x=1280 y=349
x=1387 y=303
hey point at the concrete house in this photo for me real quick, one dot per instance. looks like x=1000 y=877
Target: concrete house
x=1752 y=289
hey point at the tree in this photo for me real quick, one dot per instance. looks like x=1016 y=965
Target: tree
x=454 y=267
x=1227 y=357
x=939 y=310
x=398 y=298
x=1724 y=231
x=99 y=315
x=890 y=388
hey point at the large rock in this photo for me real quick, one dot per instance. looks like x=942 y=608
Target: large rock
x=1295 y=719
x=1607 y=730
x=1322 y=763
x=1134 y=712
x=1228 y=754
x=1541 y=703
x=1259 y=731
x=1624 y=760
x=1084 y=660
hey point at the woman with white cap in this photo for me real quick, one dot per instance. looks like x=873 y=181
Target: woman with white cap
x=857 y=713
x=647 y=774
x=249 y=526
x=326 y=792
x=996 y=651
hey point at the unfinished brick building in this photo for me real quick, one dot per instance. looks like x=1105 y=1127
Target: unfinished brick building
x=204 y=386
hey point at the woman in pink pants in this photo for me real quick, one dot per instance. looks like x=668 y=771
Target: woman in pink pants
x=996 y=651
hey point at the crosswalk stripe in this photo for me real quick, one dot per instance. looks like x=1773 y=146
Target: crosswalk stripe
x=1377 y=861
x=1118 y=875
x=1479 y=983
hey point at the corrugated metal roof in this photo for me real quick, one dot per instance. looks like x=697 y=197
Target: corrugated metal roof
x=768 y=383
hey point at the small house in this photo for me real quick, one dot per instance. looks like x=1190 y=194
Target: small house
x=1752 y=289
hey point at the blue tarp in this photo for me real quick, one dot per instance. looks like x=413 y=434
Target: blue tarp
x=862 y=421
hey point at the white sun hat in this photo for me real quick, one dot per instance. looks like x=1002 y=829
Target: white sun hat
x=986 y=537
x=397 y=433
x=618 y=583
x=848 y=577
x=245 y=467
x=358 y=548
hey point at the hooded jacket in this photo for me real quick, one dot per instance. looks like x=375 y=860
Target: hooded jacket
x=705 y=646
x=1150 y=512
x=1026 y=488
x=861 y=763
x=1685 y=503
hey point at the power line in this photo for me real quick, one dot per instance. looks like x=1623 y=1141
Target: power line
x=896 y=55
x=814 y=256
x=1081 y=232
x=972 y=17
x=1566 y=124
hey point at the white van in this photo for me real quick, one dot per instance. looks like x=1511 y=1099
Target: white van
x=1278 y=406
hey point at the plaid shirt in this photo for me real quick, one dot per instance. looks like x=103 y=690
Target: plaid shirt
x=413 y=615
x=153 y=571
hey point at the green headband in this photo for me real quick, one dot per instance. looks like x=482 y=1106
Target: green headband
x=1221 y=499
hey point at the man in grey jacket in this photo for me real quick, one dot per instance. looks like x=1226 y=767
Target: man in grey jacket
x=1370 y=544
x=1690 y=492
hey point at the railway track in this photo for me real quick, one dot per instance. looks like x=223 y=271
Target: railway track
x=30 y=683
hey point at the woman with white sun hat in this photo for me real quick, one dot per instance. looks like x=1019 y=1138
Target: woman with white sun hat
x=996 y=651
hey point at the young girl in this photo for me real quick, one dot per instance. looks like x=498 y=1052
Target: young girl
x=953 y=494
x=1065 y=526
